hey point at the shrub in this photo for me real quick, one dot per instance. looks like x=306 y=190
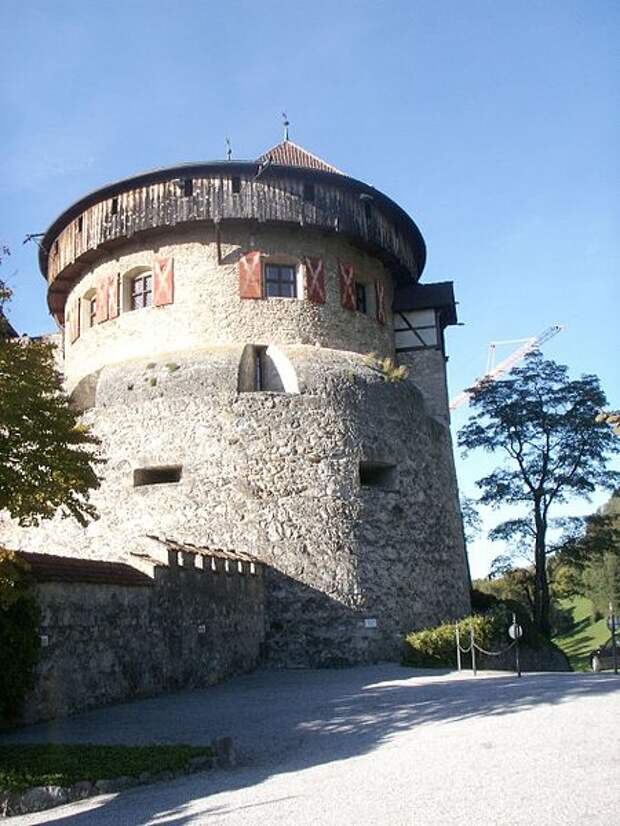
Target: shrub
x=436 y=647
x=19 y=633
x=386 y=367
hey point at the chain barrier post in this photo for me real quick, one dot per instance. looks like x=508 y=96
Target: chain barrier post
x=613 y=636
x=473 y=649
x=517 y=662
x=458 y=647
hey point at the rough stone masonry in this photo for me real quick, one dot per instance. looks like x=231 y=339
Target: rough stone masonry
x=218 y=321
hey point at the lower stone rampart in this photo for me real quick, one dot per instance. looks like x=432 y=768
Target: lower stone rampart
x=180 y=626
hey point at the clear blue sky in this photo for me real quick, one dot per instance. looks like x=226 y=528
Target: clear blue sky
x=494 y=124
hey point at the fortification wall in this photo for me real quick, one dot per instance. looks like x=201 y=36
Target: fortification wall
x=208 y=310
x=107 y=642
x=352 y=566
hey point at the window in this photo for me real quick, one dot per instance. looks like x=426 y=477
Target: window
x=92 y=310
x=80 y=223
x=266 y=368
x=114 y=206
x=280 y=281
x=360 y=297
x=236 y=185
x=368 y=210
x=377 y=475
x=141 y=291
x=164 y=474
x=309 y=192
x=188 y=187
x=260 y=373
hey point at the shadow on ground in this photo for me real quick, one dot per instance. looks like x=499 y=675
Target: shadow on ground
x=289 y=721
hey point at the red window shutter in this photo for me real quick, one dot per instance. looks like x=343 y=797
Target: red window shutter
x=163 y=281
x=102 y=299
x=347 y=286
x=315 y=280
x=250 y=276
x=73 y=321
x=380 y=292
x=113 y=295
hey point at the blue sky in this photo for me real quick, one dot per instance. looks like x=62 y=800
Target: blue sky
x=494 y=124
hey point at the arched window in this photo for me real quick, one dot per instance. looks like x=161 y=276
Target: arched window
x=137 y=288
x=89 y=309
x=141 y=291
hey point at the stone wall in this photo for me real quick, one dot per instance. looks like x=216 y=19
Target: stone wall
x=427 y=368
x=207 y=310
x=353 y=567
x=182 y=628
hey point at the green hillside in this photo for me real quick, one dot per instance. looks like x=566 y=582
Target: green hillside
x=584 y=635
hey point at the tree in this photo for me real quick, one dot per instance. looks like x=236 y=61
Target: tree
x=48 y=459
x=547 y=428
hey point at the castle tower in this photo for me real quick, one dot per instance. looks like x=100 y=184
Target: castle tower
x=217 y=323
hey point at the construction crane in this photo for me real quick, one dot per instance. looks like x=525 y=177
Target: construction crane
x=493 y=371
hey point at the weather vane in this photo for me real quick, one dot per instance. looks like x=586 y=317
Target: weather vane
x=228 y=149
x=286 y=125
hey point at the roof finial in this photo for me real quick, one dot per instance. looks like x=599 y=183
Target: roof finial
x=286 y=125
x=228 y=149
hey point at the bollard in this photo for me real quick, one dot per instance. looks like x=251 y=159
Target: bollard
x=473 y=649
x=458 y=647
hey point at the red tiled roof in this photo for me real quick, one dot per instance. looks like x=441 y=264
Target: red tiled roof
x=288 y=153
x=51 y=568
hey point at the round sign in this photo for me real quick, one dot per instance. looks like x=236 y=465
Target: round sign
x=515 y=632
x=612 y=623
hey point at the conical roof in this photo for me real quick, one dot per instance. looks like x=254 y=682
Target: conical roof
x=288 y=153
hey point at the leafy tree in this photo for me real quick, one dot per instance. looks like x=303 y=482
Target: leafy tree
x=554 y=447
x=47 y=458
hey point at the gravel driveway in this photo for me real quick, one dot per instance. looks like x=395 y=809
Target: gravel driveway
x=368 y=746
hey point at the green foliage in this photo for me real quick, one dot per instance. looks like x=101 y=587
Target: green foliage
x=47 y=459
x=19 y=634
x=171 y=367
x=388 y=369
x=584 y=634
x=601 y=579
x=26 y=765
x=555 y=448
x=436 y=647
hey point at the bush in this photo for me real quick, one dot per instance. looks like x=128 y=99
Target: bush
x=436 y=647
x=386 y=367
x=19 y=634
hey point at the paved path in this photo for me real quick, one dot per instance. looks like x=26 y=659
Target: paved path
x=370 y=746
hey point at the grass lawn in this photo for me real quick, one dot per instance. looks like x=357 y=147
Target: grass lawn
x=584 y=635
x=22 y=766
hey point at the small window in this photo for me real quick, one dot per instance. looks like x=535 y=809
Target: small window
x=162 y=475
x=56 y=248
x=236 y=185
x=309 y=192
x=92 y=311
x=360 y=297
x=80 y=223
x=280 y=281
x=141 y=291
x=188 y=187
x=377 y=475
x=260 y=372
x=368 y=210
x=114 y=209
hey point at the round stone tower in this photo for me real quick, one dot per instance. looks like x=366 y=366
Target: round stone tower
x=219 y=320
